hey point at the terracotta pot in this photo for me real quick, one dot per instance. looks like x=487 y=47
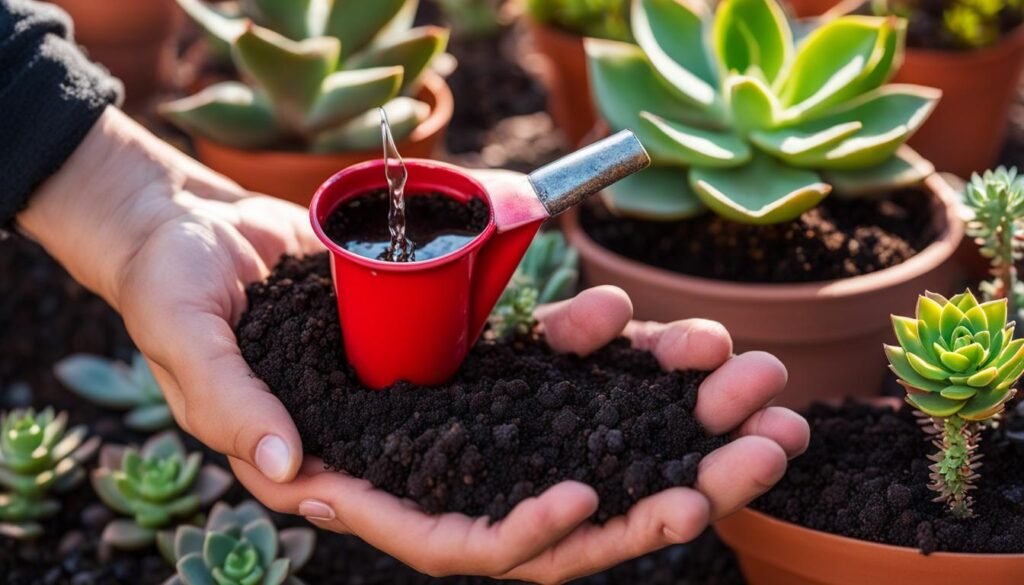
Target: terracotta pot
x=296 y=176
x=808 y=8
x=773 y=552
x=967 y=130
x=134 y=39
x=563 y=72
x=829 y=334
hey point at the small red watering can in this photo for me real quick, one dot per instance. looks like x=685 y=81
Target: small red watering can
x=416 y=321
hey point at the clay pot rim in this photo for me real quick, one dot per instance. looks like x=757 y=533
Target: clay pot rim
x=946 y=242
x=433 y=85
x=797 y=531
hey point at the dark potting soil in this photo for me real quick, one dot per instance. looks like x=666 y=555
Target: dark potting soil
x=840 y=238
x=516 y=419
x=865 y=475
x=434 y=224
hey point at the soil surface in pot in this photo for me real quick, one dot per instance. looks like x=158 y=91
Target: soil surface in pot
x=516 y=419
x=865 y=476
x=435 y=225
x=839 y=239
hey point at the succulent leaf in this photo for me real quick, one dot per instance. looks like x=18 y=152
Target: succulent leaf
x=906 y=168
x=363 y=131
x=655 y=193
x=346 y=94
x=356 y=22
x=229 y=113
x=752 y=35
x=675 y=143
x=412 y=51
x=291 y=18
x=670 y=32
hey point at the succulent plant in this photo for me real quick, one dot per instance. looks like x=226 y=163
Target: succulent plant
x=318 y=75
x=158 y=486
x=473 y=18
x=964 y=24
x=118 y=386
x=742 y=119
x=39 y=456
x=959 y=362
x=239 y=546
x=996 y=200
x=547 y=273
x=603 y=19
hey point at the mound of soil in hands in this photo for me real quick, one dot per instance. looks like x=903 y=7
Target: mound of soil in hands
x=865 y=476
x=516 y=419
x=838 y=239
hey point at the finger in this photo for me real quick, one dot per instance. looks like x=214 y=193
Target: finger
x=738 y=389
x=587 y=322
x=736 y=474
x=669 y=517
x=693 y=344
x=787 y=428
x=436 y=545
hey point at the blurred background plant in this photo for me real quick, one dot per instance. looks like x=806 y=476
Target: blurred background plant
x=157 y=486
x=603 y=19
x=118 y=386
x=39 y=457
x=547 y=273
x=472 y=19
x=317 y=76
x=954 y=24
x=996 y=199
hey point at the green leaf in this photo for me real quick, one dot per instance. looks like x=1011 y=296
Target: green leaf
x=958 y=392
x=671 y=34
x=98 y=380
x=290 y=18
x=188 y=540
x=905 y=169
x=995 y=312
x=908 y=335
x=900 y=365
x=363 y=131
x=105 y=486
x=165 y=545
x=356 y=22
x=163 y=446
x=955 y=361
x=794 y=143
x=289 y=72
x=217 y=547
x=983 y=378
x=624 y=83
x=223 y=28
x=124 y=534
x=985 y=405
x=655 y=193
x=278 y=572
x=150 y=418
x=926 y=368
x=751 y=103
x=752 y=35
x=762 y=192
x=413 y=51
x=193 y=571
x=934 y=404
x=346 y=94
x=262 y=535
x=674 y=143
x=297 y=545
x=228 y=113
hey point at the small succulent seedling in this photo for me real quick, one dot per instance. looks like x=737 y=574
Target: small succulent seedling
x=997 y=202
x=157 y=486
x=959 y=363
x=547 y=273
x=971 y=24
x=38 y=457
x=603 y=19
x=740 y=118
x=238 y=546
x=118 y=386
x=314 y=76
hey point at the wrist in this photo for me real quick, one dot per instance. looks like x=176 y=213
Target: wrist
x=95 y=213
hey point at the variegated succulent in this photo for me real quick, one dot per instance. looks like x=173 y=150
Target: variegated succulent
x=157 y=486
x=742 y=117
x=39 y=457
x=959 y=363
x=547 y=273
x=118 y=386
x=318 y=72
x=239 y=546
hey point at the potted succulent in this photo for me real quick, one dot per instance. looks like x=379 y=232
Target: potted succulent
x=974 y=52
x=118 y=386
x=558 y=28
x=790 y=146
x=311 y=84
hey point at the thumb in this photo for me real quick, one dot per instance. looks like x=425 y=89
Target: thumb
x=222 y=403
x=584 y=324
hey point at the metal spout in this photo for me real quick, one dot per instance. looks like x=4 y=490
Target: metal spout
x=570 y=180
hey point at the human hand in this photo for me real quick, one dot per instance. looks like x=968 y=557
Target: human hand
x=548 y=539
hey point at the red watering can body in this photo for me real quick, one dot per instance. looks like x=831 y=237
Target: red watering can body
x=416 y=321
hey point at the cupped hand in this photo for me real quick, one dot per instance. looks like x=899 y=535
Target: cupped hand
x=548 y=539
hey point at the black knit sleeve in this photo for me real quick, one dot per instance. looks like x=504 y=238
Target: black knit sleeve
x=50 y=96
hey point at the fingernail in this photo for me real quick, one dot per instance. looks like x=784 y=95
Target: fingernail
x=273 y=458
x=316 y=510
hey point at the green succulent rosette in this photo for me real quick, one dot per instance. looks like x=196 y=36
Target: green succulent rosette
x=118 y=386
x=957 y=356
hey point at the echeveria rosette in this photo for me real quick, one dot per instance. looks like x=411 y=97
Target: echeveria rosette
x=39 y=456
x=957 y=356
x=312 y=77
x=118 y=386
x=742 y=119
x=157 y=486
x=238 y=546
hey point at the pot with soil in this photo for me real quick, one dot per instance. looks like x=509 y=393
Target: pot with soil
x=317 y=81
x=974 y=54
x=135 y=40
x=557 y=30
x=821 y=221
